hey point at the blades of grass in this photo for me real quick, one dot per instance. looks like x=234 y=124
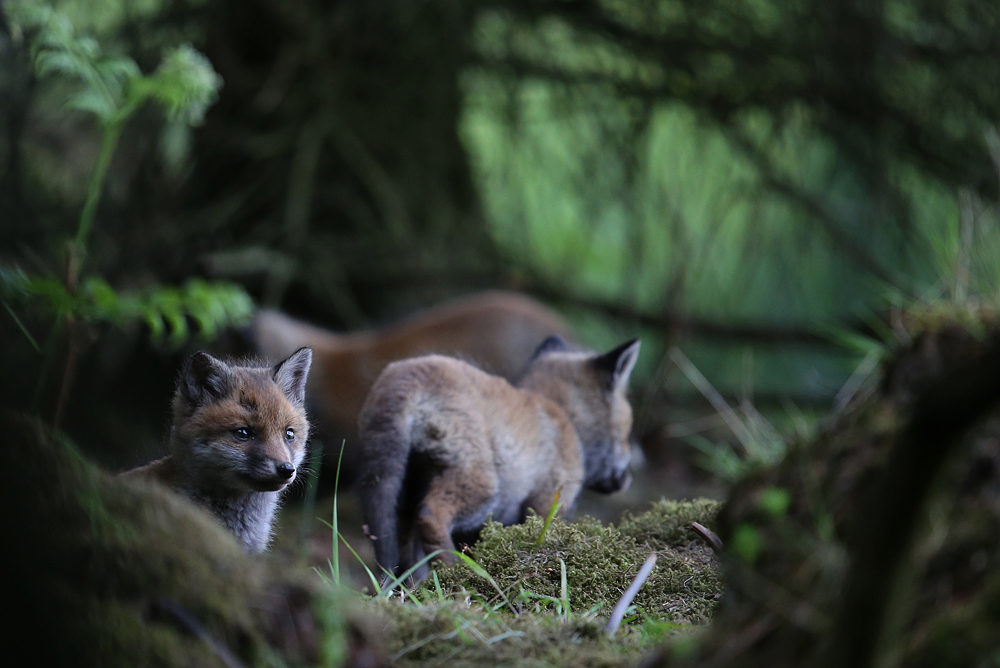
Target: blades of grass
x=553 y=509
x=718 y=458
x=371 y=576
x=854 y=341
x=309 y=502
x=720 y=405
x=437 y=586
x=481 y=572
x=322 y=576
x=336 y=530
x=409 y=571
x=24 y=330
x=556 y=603
x=504 y=636
x=864 y=371
x=564 y=588
x=409 y=594
x=420 y=643
x=618 y=613
x=507 y=632
x=48 y=356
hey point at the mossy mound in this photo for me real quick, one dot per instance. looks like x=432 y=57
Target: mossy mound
x=457 y=633
x=791 y=532
x=126 y=573
x=601 y=562
x=463 y=619
x=667 y=525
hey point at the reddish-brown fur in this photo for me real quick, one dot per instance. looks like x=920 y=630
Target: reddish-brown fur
x=237 y=437
x=497 y=331
x=445 y=445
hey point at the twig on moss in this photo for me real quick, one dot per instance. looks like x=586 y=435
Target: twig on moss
x=626 y=600
x=708 y=536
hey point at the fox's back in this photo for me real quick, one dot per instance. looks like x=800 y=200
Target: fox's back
x=442 y=398
x=496 y=445
x=496 y=330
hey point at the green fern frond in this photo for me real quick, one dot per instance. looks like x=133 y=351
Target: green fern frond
x=166 y=310
x=113 y=87
x=185 y=84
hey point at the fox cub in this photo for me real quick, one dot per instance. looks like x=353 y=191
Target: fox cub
x=237 y=437
x=446 y=446
x=496 y=330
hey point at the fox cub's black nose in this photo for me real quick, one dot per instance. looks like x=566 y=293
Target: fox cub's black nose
x=285 y=470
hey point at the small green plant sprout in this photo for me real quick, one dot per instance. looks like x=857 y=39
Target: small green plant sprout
x=553 y=509
x=481 y=572
x=560 y=604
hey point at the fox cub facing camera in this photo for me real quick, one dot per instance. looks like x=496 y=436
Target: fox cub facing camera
x=446 y=446
x=237 y=437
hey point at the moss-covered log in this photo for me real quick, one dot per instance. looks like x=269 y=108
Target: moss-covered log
x=106 y=572
x=798 y=535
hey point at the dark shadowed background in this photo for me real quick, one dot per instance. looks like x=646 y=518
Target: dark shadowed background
x=757 y=184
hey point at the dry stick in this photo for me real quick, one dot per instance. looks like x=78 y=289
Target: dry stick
x=626 y=600
x=887 y=515
x=709 y=537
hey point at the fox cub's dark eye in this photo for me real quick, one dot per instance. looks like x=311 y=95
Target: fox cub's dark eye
x=289 y=434
x=242 y=433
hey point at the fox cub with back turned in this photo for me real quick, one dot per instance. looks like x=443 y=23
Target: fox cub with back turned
x=237 y=437
x=446 y=446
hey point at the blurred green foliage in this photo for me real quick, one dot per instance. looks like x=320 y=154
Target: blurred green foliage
x=603 y=185
x=755 y=184
x=112 y=89
x=164 y=309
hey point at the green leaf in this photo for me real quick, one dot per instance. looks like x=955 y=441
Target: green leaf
x=185 y=84
x=774 y=501
x=746 y=543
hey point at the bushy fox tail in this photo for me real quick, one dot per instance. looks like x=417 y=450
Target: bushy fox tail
x=385 y=446
x=274 y=336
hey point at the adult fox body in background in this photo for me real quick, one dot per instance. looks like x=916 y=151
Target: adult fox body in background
x=445 y=446
x=497 y=331
x=237 y=437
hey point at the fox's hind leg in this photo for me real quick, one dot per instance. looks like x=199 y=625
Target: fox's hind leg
x=434 y=524
x=453 y=494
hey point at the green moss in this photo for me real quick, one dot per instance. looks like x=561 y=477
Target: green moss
x=668 y=523
x=601 y=561
x=793 y=525
x=126 y=573
x=452 y=632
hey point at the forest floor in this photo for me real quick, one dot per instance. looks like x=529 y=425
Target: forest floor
x=519 y=600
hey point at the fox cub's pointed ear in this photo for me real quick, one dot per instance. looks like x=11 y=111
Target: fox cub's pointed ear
x=616 y=365
x=290 y=375
x=205 y=378
x=550 y=344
